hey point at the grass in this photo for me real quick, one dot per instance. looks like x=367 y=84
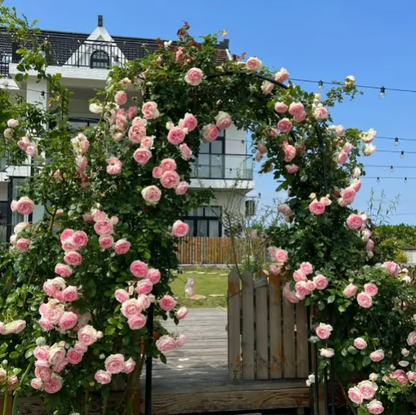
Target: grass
x=207 y=281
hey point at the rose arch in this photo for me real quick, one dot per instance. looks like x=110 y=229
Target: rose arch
x=86 y=283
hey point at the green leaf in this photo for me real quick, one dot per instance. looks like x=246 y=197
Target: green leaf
x=112 y=321
x=366 y=361
x=14 y=355
x=163 y=358
x=19 y=77
x=110 y=330
x=29 y=353
x=331 y=299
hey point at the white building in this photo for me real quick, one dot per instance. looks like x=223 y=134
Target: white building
x=83 y=61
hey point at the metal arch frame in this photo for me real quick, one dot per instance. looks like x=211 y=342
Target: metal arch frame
x=313 y=397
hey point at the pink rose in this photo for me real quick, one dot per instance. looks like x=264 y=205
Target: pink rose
x=209 y=133
x=12 y=123
x=280 y=255
x=306 y=268
x=411 y=338
x=153 y=275
x=157 y=172
x=180 y=229
x=375 y=407
x=280 y=107
x=223 y=120
x=23 y=244
x=261 y=148
x=70 y=294
x=302 y=288
x=106 y=241
x=102 y=377
x=25 y=206
x=298 y=276
x=392 y=267
x=377 y=356
x=181 y=313
x=320 y=282
x=114 y=220
x=87 y=217
x=79 y=239
x=22 y=145
x=323 y=331
x=137 y=322
x=53 y=385
x=296 y=108
x=399 y=375
x=80 y=347
x=182 y=188
x=317 y=208
x=68 y=320
x=138 y=269
x=168 y=164
x=142 y=155
x=350 y=290
x=167 y=303
x=114 y=166
x=152 y=194
x=411 y=376
x=189 y=122
x=121 y=295
x=356 y=185
x=300 y=116
x=186 y=152
x=144 y=287
x=292 y=168
x=320 y=113
x=73 y=258
x=20 y=227
x=355 y=395
x=56 y=354
x=179 y=55
x=36 y=383
x=120 y=98
x=103 y=227
x=284 y=125
x=129 y=366
x=194 y=77
x=63 y=270
x=364 y=300
x=74 y=356
x=43 y=373
x=354 y=221
x=328 y=353
x=137 y=131
x=348 y=195
x=285 y=209
x=267 y=87
x=45 y=324
x=165 y=344
x=253 y=64
x=180 y=341
x=282 y=75
x=371 y=289
x=114 y=363
x=289 y=294
x=342 y=157
x=360 y=343
x=122 y=246
x=132 y=112
x=41 y=352
x=290 y=152
x=348 y=147
x=87 y=335
x=150 y=111
x=176 y=135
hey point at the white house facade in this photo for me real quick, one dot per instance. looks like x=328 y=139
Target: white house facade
x=83 y=61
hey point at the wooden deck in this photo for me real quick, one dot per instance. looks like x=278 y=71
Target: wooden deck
x=195 y=379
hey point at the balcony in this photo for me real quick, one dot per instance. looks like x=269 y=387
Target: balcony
x=223 y=166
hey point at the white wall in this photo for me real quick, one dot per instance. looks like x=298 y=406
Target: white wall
x=411 y=255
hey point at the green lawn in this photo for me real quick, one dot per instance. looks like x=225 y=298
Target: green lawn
x=207 y=282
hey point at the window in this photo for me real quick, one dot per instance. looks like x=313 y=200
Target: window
x=210 y=162
x=204 y=221
x=3 y=221
x=6 y=58
x=100 y=59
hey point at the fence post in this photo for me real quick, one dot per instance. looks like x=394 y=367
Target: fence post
x=248 y=325
x=234 y=326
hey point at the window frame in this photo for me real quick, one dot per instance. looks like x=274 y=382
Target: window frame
x=209 y=218
x=92 y=61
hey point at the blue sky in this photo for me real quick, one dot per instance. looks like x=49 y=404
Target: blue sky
x=372 y=40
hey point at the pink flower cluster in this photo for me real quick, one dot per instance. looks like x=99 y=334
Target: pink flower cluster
x=303 y=286
x=137 y=131
x=277 y=254
x=318 y=207
x=348 y=194
x=8 y=378
x=24 y=205
x=114 y=364
x=57 y=289
x=323 y=331
x=72 y=241
x=150 y=111
x=13 y=327
x=29 y=147
x=365 y=298
x=392 y=267
x=167 y=343
x=366 y=390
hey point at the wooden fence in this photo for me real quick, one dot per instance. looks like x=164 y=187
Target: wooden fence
x=267 y=335
x=205 y=250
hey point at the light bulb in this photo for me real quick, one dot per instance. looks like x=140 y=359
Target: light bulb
x=378 y=179
x=382 y=92
x=405 y=179
x=320 y=86
x=396 y=141
x=402 y=155
x=391 y=168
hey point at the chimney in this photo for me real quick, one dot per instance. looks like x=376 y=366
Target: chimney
x=100 y=20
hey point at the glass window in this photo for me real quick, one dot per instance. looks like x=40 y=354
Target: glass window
x=214 y=229
x=204 y=221
x=99 y=59
x=202 y=227
x=191 y=227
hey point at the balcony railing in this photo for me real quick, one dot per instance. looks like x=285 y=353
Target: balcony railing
x=223 y=166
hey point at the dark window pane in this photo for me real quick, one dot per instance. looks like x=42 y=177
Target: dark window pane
x=213 y=211
x=216 y=172
x=191 y=227
x=216 y=147
x=204 y=148
x=214 y=228
x=202 y=227
x=199 y=212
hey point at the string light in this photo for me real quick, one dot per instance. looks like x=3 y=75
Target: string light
x=378 y=179
x=402 y=155
x=382 y=92
x=320 y=86
x=391 y=168
x=396 y=141
x=405 y=179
